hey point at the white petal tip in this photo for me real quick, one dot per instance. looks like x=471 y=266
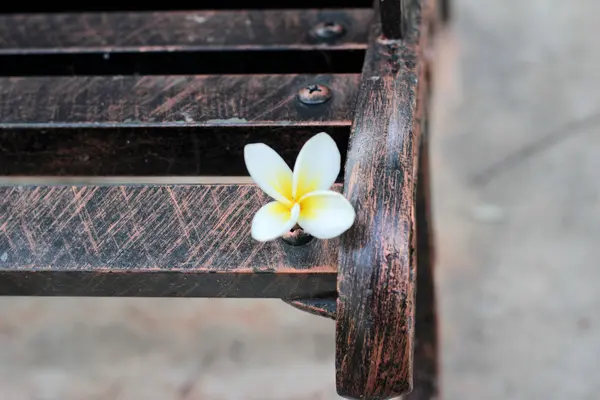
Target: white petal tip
x=317 y=166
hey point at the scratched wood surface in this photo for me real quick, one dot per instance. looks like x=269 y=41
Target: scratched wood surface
x=151 y=241
x=218 y=100
x=178 y=31
x=161 y=125
x=377 y=271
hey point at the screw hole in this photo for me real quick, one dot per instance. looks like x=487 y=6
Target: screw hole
x=328 y=30
x=297 y=237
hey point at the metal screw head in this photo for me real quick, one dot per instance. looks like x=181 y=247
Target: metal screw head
x=314 y=94
x=328 y=30
x=296 y=237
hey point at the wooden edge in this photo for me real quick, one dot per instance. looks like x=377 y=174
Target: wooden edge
x=322 y=307
x=172 y=101
x=143 y=240
x=377 y=263
x=169 y=31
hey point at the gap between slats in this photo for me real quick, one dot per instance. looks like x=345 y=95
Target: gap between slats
x=123 y=180
x=12 y=7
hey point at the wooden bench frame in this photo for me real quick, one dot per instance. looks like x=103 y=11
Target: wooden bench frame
x=177 y=221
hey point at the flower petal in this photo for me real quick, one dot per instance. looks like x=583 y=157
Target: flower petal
x=325 y=214
x=273 y=220
x=317 y=166
x=269 y=171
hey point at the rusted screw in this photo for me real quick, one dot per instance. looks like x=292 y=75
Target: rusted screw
x=296 y=237
x=314 y=94
x=328 y=30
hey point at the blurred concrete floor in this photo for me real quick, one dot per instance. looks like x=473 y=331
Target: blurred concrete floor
x=516 y=138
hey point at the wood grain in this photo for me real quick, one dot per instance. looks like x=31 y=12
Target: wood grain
x=377 y=265
x=179 y=101
x=161 y=125
x=178 y=31
x=166 y=240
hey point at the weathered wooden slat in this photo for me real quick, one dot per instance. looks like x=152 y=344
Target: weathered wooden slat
x=178 y=31
x=151 y=241
x=161 y=125
x=180 y=101
x=377 y=271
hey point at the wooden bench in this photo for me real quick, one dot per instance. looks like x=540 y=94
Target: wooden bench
x=122 y=169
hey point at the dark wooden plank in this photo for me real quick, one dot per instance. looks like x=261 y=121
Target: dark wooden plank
x=181 y=101
x=161 y=125
x=377 y=271
x=178 y=31
x=151 y=241
x=394 y=17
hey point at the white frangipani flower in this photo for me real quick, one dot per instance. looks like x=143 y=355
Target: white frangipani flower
x=301 y=197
